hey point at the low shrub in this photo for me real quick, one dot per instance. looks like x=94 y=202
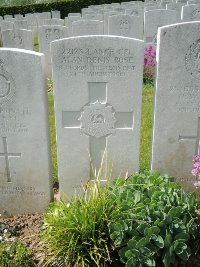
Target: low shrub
x=76 y=234
x=154 y=222
x=145 y=220
x=13 y=253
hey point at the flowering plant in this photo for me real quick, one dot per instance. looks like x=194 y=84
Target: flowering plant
x=149 y=63
x=196 y=169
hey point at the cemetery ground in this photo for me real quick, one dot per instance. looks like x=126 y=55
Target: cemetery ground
x=30 y=251
x=26 y=228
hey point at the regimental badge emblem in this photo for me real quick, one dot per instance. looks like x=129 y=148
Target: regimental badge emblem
x=98 y=120
x=192 y=59
x=7 y=85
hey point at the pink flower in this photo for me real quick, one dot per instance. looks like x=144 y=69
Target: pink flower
x=196 y=184
x=196 y=158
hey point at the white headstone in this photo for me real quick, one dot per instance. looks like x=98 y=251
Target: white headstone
x=7 y=16
x=93 y=16
x=42 y=16
x=21 y=24
x=191 y=13
x=86 y=10
x=32 y=23
x=125 y=25
x=18 y=16
x=154 y=7
x=176 y=129
x=6 y=25
x=98 y=89
x=193 y=2
x=157 y=18
x=47 y=34
x=87 y=27
x=10 y=19
x=106 y=16
x=55 y=14
x=16 y=38
x=74 y=14
x=25 y=169
x=177 y=7
x=60 y=22
x=69 y=20
x=137 y=11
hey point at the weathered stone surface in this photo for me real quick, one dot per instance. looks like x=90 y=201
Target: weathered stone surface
x=157 y=18
x=21 y=24
x=74 y=14
x=53 y=21
x=7 y=16
x=18 y=16
x=87 y=27
x=125 y=25
x=25 y=169
x=97 y=89
x=55 y=14
x=191 y=13
x=32 y=23
x=93 y=16
x=178 y=8
x=22 y=39
x=176 y=129
x=41 y=17
x=106 y=17
x=6 y=25
x=47 y=34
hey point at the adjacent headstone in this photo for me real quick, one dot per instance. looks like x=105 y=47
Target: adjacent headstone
x=25 y=169
x=6 y=25
x=98 y=91
x=18 y=16
x=42 y=16
x=21 y=24
x=10 y=19
x=137 y=11
x=47 y=34
x=87 y=27
x=7 y=16
x=154 y=7
x=193 y=2
x=106 y=16
x=55 y=14
x=32 y=23
x=93 y=16
x=176 y=127
x=157 y=18
x=178 y=8
x=22 y=39
x=74 y=14
x=69 y=20
x=125 y=25
x=60 y=22
x=191 y=13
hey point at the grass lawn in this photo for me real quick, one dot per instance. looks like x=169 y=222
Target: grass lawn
x=146 y=126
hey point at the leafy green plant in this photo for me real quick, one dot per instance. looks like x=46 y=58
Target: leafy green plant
x=13 y=253
x=76 y=233
x=153 y=221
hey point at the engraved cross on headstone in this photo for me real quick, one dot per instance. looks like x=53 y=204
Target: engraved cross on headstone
x=196 y=138
x=6 y=155
x=97 y=119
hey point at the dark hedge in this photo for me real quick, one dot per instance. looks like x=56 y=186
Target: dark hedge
x=65 y=7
